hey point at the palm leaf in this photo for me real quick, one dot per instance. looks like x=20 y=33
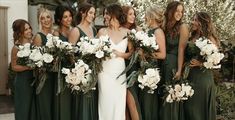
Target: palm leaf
x=133 y=59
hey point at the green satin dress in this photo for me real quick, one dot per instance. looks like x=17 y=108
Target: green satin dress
x=170 y=111
x=45 y=99
x=24 y=96
x=63 y=100
x=85 y=106
x=201 y=106
x=134 y=90
x=149 y=103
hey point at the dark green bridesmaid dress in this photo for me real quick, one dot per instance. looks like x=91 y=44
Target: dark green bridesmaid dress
x=63 y=100
x=149 y=103
x=24 y=96
x=134 y=90
x=170 y=111
x=201 y=106
x=45 y=99
x=85 y=106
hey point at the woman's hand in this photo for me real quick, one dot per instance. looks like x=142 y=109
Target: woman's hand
x=195 y=63
x=177 y=75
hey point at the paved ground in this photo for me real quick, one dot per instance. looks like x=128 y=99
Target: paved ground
x=6 y=108
x=8 y=116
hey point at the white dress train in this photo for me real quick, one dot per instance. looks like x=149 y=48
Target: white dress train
x=112 y=91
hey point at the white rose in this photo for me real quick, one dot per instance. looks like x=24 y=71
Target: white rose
x=35 y=55
x=50 y=43
x=76 y=88
x=104 y=38
x=169 y=99
x=105 y=48
x=208 y=65
x=65 y=71
x=23 y=53
x=47 y=58
x=133 y=31
x=150 y=72
x=177 y=88
x=39 y=64
x=99 y=54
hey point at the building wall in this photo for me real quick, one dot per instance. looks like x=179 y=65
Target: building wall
x=13 y=9
x=17 y=9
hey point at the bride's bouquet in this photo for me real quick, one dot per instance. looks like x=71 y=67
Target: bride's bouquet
x=80 y=77
x=149 y=79
x=209 y=52
x=95 y=47
x=94 y=50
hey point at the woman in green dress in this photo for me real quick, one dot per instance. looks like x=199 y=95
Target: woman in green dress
x=133 y=111
x=24 y=92
x=201 y=106
x=150 y=102
x=45 y=97
x=63 y=101
x=85 y=106
x=176 y=39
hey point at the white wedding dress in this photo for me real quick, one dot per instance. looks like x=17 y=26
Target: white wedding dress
x=112 y=91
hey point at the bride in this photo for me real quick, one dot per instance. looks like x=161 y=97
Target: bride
x=112 y=91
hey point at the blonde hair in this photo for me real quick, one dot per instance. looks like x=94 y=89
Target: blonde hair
x=39 y=15
x=155 y=13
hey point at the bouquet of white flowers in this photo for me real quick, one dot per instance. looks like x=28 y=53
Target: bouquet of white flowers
x=99 y=47
x=63 y=53
x=80 y=77
x=179 y=92
x=150 y=79
x=32 y=56
x=209 y=52
x=94 y=50
x=140 y=39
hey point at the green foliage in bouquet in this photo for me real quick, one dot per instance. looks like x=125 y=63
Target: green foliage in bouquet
x=11 y=79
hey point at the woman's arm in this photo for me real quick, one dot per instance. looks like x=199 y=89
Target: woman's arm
x=15 y=67
x=125 y=55
x=184 y=35
x=160 y=40
x=73 y=36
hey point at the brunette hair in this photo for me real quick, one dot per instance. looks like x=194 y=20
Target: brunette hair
x=206 y=27
x=126 y=9
x=18 y=27
x=171 y=27
x=115 y=11
x=83 y=8
x=59 y=12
